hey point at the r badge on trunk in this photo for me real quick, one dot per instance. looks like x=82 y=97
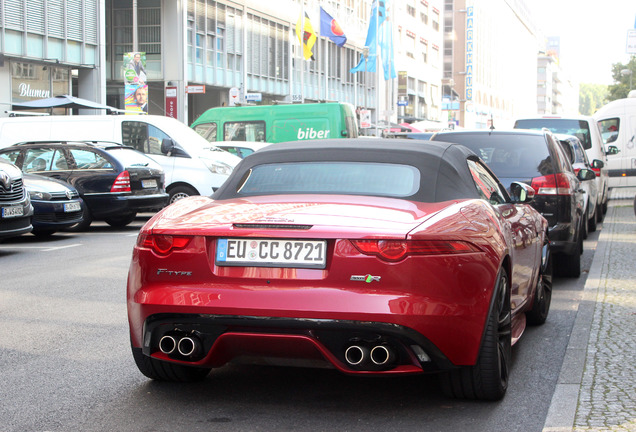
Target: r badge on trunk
x=366 y=278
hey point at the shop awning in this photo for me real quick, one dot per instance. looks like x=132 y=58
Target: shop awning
x=64 y=101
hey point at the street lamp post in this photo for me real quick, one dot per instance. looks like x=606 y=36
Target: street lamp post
x=629 y=72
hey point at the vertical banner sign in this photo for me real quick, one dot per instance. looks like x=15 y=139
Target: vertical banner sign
x=135 y=81
x=402 y=83
x=631 y=42
x=171 y=102
x=469 y=52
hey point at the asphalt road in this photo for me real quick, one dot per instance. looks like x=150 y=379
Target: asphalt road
x=65 y=361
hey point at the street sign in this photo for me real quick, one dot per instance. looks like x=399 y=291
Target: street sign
x=365 y=119
x=253 y=97
x=404 y=102
x=631 y=42
x=235 y=94
x=171 y=102
x=195 y=89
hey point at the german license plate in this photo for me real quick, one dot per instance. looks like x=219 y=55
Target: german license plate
x=271 y=253
x=71 y=207
x=15 y=211
x=147 y=184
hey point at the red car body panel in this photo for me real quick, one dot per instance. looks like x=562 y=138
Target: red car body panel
x=444 y=297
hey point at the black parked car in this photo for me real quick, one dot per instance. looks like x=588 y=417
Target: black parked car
x=56 y=204
x=114 y=181
x=536 y=158
x=15 y=205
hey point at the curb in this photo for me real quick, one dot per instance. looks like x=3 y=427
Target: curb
x=562 y=412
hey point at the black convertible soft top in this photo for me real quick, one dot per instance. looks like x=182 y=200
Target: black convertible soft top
x=444 y=173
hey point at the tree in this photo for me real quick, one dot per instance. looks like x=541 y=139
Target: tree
x=592 y=97
x=621 y=88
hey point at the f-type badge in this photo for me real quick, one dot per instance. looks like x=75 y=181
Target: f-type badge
x=366 y=278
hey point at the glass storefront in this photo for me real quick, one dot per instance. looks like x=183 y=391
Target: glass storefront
x=30 y=81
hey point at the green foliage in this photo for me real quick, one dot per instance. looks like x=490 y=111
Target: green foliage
x=621 y=86
x=592 y=97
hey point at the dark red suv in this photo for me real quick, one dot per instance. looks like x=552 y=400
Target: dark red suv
x=536 y=158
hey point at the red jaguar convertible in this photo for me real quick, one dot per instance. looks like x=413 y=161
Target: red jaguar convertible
x=364 y=255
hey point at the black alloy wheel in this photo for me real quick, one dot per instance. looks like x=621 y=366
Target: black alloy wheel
x=488 y=379
x=543 y=292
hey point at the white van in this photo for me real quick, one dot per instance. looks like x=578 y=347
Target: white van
x=617 y=121
x=192 y=165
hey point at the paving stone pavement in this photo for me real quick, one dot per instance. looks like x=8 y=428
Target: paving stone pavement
x=607 y=397
x=597 y=385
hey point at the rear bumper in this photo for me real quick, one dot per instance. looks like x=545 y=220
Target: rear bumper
x=107 y=205
x=563 y=239
x=315 y=342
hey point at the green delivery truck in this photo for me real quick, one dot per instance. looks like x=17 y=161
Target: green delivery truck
x=278 y=123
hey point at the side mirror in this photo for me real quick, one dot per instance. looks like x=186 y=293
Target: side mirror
x=598 y=164
x=167 y=146
x=586 y=174
x=522 y=193
x=612 y=150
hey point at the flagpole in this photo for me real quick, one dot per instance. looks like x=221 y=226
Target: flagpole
x=302 y=54
x=377 y=67
x=326 y=70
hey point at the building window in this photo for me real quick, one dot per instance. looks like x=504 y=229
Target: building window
x=148 y=32
x=435 y=19
x=267 y=48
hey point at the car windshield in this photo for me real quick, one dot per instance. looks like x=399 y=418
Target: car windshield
x=578 y=128
x=508 y=155
x=349 y=178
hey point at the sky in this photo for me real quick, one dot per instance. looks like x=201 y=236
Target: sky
x=593 y=34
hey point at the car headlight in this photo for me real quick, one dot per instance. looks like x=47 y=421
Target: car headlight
x=39 y=196
x=216 y=167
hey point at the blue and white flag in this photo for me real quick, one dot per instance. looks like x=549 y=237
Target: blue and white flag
x=384 y=42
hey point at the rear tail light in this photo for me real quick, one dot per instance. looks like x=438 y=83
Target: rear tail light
x=121 y=183
x=597 y=171
x=554 y=184
x=396 y=250
x=162 y=244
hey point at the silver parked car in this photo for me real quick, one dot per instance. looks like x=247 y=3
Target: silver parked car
x=578 y=157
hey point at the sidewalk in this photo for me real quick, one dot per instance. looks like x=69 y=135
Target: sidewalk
x=596 y=390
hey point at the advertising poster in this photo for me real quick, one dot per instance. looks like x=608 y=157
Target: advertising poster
x=136 y=97
x=136 y=87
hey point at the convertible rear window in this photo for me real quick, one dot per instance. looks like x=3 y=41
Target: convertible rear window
x=348 y=178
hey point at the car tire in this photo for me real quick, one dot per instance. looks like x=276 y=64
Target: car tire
x=180 y=192
x=166 y=371
x=87 y=219
x=488 y=379
x=543 y=293
x=600 y=214
x=43 y=233
x=571 y=264
x=121 y=221
x=591 y=222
